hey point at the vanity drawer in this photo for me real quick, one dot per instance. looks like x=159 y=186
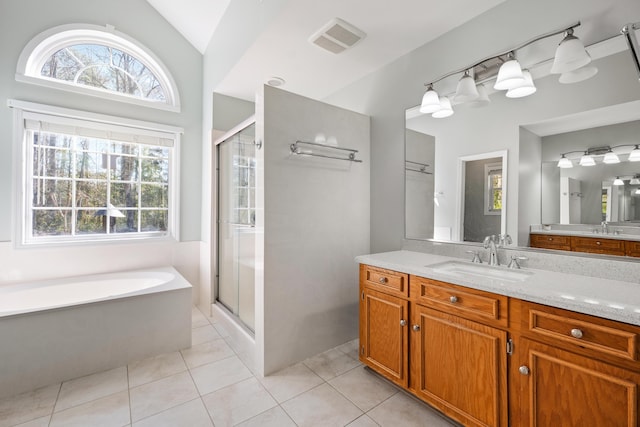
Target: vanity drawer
x=465 y=302
x=569 y=329
x=597 y=246
x=550 y=241
x=632 y=248
x=388 y=281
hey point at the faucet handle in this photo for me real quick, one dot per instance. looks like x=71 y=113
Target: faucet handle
x=476 y=257
x=514 y=261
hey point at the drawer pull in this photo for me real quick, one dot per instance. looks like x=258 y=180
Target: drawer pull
x=598 y=243
x=524 y=370
x=403 y=322
x=416 y=328
x=576 y=333
x=383 y=280
x=551 y=239
x=453 y=299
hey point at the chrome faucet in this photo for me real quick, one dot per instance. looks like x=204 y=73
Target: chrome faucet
x=490 y=243
x=605 y=227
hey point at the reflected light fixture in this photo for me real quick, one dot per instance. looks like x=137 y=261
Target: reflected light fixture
x=445 y=109
x=430 y=101
x=483 y=98
x=634 y=156
x=635 y=180
x=564 y=163
x=610 y=158
x=509 y=74
x=570 y=54
x=637 y=191
x=575 y=76
x=466 y=90
x=618 y=181
x=587 y=159
x=525 y=89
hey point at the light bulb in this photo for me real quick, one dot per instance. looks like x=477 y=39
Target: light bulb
x=430 y=101
x=587 y=160
x=610 y=158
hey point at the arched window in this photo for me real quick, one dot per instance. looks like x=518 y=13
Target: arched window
x=97 y=61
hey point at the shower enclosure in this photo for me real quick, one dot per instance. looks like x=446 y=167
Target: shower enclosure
x=236 y=167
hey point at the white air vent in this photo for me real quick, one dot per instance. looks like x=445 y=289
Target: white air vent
x=337 y=36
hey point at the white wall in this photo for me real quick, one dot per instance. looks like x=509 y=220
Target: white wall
x=386 y=93
x=20 y=21
x=316 y=220
x=419 y=148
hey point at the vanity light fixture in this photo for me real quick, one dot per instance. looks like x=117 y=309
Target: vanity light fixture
x=634 y=156
x=618 y=181
x=571 y=60
x=635 y=180
x=587 y=159
x=445 y=109
x=564 y=163
x=637 y=191
x=610 y=158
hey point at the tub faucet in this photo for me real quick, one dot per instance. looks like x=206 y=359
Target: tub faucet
x=490 y=243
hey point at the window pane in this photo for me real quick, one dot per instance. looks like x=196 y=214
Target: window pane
x=154 y=220
x=155 y=170
x=124 y=168
x=92 y=144
x=52 y=193
x=497 y=200
x=90 y=221
x=91 y=194
x=124 y=195
x=51 y=222
x=51 y=162
x=126 y=224
x=89 y=165
x=124 y=148
x=52 y=140
x=154 y=196
x=149 y=151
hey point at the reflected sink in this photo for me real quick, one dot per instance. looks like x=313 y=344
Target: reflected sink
x=480 y=270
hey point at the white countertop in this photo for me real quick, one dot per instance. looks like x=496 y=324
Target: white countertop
x=584 y=233
x=610 y=299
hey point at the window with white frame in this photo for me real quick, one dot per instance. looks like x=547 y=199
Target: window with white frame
x=493 y=189
x=98 y=61
x=92 y=179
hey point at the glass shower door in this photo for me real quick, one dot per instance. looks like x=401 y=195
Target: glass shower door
x=236 y=225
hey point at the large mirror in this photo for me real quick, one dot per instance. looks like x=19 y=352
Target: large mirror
x=535 y=131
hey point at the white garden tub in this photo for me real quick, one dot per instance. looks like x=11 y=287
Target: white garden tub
x=55 y=330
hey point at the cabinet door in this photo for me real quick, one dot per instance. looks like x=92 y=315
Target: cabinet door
x=558 y=388
x=459 y=366
x=383 y=334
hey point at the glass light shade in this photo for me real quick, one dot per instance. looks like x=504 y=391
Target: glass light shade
x=445 y=109
x=634 y=155
x=618 y=181
x=581 y=74
x=509 y=76
x=483 y=98
x=525 y=89
x=430 y=101
x=637 y=191
x=635 y=181
x=564 y=163
x=587 y=160
x=466 y=90
x=610 y=158
x=570 y=55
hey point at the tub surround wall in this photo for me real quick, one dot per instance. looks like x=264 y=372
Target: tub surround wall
x=44 y=347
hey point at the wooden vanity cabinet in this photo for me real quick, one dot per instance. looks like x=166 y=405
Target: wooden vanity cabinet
x=384 y=318
x=571 y=369
x=632 y=248
x=597 y=246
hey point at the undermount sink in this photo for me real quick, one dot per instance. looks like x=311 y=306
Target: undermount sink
x=480 y=270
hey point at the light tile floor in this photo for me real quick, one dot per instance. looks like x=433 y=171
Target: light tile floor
x=208 y=385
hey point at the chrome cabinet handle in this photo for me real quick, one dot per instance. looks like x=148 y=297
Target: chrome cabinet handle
x=383 y=280
x=524 y=370
x=576 y=333
x=403 y=322
x=416 y=328
x=453 y=299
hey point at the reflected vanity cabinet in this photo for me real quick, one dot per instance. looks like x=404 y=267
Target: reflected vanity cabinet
x=488 y=360
x=594 y=245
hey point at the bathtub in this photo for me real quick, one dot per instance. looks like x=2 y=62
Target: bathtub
x=56 y=330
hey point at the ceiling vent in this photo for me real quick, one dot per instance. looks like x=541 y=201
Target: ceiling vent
x=337 y=36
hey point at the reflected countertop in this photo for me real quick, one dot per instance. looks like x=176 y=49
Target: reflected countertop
x=610 y=299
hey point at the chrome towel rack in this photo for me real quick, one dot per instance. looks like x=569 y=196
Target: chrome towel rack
x=421 y=167
x=323 y=150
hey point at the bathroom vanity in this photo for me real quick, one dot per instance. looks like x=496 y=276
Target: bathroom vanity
x=608 y=244
x=490 y=346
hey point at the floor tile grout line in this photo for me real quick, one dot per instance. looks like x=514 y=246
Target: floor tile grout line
x=55 y=402
x=129 y=396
